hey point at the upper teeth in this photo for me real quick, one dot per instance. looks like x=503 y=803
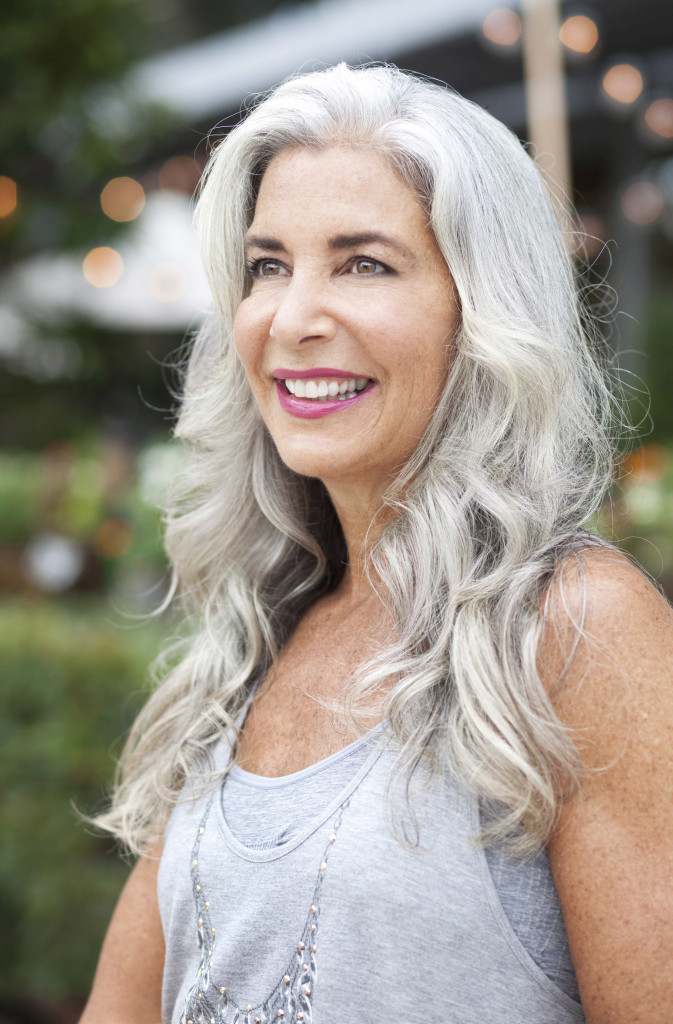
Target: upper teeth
x=325 y=389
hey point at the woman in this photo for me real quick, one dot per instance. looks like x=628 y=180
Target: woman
x=423 y=718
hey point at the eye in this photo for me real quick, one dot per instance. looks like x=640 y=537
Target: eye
x=365 y=266
x=265 y=268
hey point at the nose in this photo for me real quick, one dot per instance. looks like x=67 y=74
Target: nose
x=303 y=313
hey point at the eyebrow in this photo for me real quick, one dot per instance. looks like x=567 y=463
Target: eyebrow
x=336 y=243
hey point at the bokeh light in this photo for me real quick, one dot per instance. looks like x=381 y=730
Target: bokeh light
x=179 y=174
x=646 y=464
x=579 y=33
x=102 y=266
x=659 y=117
x=623 y=83
x=113 y=538
x=642 y=202
x=590 y=235
x=168 y=282
x=8 y=195
x=122 y=199
x=52 y=563
x=502 y=27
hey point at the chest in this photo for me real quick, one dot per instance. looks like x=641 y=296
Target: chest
x=295 y=719
x=344 y=922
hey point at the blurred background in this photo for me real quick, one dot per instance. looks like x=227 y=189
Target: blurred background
x=106 y=111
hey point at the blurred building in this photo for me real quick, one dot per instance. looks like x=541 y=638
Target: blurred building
x=618 y=60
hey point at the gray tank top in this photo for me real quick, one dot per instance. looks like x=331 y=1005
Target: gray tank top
x=271 y=913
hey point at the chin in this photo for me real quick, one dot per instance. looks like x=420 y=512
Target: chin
x=306 y=461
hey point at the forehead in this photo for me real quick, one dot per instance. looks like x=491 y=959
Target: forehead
x=339 y=183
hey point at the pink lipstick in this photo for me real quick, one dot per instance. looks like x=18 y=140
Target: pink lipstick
x=313 y=408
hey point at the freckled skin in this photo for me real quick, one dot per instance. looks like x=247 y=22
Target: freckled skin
x=612 y=852
x=394 y=322
x=384 y=309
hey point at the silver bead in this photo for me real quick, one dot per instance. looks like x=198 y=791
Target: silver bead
x=323 y=865
x=200 y=922
x=201 y=830
x=199 y=997
x=301 y=946
x=248 y=1008
x=314 y=909
x=332 y=838
x=312 y=927
x=314 y=948
x=212 y=932
x=286 y=979
x=207 y=905
x=304 y=968
x=194 y=863
x=223 y=991
x=280 y=1013
x=307 y=990
x=300 y=1016
x=212 y=1020
x=198 y=888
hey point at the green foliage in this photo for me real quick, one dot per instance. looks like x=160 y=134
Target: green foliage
x=67 y=124
x=72 y=683
x=76 y=496
x=659 y=370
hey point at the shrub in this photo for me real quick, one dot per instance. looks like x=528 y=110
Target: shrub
x=72 y=683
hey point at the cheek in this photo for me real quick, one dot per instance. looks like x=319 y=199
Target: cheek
x=247 y=335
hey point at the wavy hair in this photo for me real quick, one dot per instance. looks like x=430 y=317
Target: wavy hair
x=516 y=459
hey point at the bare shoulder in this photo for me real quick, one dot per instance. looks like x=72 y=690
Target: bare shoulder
x=608 y=637
x=612 y=852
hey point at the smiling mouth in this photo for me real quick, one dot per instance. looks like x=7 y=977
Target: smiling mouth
x=321 y=389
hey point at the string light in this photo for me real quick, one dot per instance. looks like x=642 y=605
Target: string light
x=642 y=202
x=623 y=83
x=102 y=267
x=579 y=33
x=179 y=174
x=502 y=27
x=589 y=237
x=122 y=199
x=659 y=117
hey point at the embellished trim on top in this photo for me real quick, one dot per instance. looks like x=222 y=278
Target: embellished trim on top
x=208 y=1000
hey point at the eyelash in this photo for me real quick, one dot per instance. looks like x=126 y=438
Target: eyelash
x=253 y=266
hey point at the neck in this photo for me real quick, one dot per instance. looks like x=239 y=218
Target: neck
x=362 y=518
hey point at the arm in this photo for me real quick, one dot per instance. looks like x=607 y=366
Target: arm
x=612 y=853
x=127 y=985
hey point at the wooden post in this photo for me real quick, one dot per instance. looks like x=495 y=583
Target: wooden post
x=545 y=92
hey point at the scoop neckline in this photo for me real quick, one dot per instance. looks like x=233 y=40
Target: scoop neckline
x=314 y=823
x=256 y=781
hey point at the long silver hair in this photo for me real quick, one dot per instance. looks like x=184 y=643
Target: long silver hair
x=514 y=463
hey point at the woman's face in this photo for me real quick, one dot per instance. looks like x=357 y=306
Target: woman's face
x=347 y=290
